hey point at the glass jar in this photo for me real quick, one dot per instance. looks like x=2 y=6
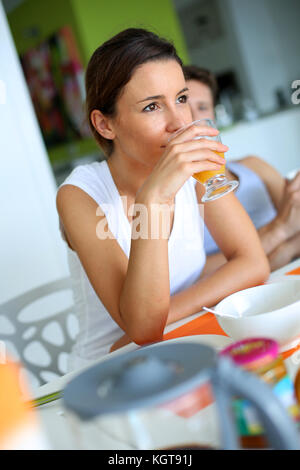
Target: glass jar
x=168 y=396
x=261 y=356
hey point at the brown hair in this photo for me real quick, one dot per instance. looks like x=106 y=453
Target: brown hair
x=111 y=67
x=193 y=72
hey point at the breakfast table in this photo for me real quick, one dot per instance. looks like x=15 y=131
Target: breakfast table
x=201 y=328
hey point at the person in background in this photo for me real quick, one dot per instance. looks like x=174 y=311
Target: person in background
x=128 y=285
x=272 y=202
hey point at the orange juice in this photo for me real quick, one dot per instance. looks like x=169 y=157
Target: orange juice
x=203 y=176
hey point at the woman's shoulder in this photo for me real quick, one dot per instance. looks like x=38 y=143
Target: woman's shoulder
x=81 y=196
x=93 y=179
x=87 y=172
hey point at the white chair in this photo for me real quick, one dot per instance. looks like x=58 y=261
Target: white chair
x=38 y=329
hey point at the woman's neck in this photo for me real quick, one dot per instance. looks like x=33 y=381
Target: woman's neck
x=128 y=175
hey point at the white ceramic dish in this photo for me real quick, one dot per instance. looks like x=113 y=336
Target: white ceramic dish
x=271 y=311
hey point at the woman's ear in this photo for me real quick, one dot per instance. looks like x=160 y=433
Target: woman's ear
x=102 y=124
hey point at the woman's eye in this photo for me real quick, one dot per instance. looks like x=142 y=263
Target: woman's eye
x=150 y=107
x=183 y=98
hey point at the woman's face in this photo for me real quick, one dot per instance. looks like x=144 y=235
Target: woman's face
x=152 y=106
x=200 y=100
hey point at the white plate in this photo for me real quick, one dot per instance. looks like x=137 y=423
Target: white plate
x=291 y=277
x=269 y=311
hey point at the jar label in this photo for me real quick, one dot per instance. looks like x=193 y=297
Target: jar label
x=285 y=391
x=247 y=418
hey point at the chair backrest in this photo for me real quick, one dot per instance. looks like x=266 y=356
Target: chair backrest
x=39 y=328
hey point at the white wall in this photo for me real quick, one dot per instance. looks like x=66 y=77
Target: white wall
x=275 y=138
x=31 y=251
x=231 y=41
x=260 y=42
x=286 y=15
x=215 y=56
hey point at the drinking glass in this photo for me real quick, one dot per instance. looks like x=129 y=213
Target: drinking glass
x=215 y=182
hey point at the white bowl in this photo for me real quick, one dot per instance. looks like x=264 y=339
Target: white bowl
x=270 y=311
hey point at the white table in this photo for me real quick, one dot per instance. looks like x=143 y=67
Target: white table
x=53 y=418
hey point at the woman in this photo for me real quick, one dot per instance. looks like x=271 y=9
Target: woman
x=123 y=283
x=272 y=202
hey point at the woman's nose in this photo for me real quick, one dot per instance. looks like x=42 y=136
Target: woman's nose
x=175 y=122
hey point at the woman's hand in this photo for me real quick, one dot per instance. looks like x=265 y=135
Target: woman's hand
x=183 y=157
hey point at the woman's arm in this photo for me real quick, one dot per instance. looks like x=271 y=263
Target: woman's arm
x=246 y=264
x=131 y=291
x=145 y=297
x=213 y=262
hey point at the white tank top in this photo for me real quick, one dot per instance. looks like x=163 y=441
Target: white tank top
x=97 y=330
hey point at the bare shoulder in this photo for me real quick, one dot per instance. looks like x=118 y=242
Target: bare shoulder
x=75 y=204
x=79 y=214
x=271 y=177
x=68 y=195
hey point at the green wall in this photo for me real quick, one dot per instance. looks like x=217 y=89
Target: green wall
x=98 y=20
x=93 y=22
x=45 y=16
